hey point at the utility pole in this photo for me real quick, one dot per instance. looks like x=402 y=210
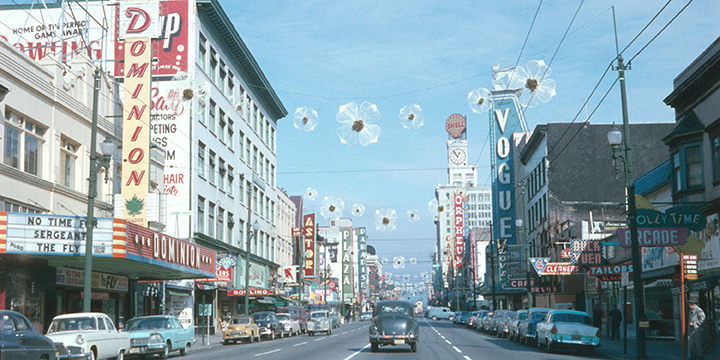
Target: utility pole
x=492 y=263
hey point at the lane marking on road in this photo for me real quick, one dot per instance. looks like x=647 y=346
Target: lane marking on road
x=333 y=335
x=467 y=357
x=442 y=337
x=344 y=333
x=448 y=341
x=269 y=352
x=357 y=352
x=456 y=349
x=322 y=338
x=302 y=343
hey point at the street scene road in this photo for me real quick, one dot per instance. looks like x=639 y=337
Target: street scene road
x=438 y=340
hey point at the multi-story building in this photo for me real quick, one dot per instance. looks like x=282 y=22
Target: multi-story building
x=286 y=212
x=475 y=218
x=47 y=114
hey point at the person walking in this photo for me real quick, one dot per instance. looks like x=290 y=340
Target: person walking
x=697 y=328
x=615 y=320
x=597 y=317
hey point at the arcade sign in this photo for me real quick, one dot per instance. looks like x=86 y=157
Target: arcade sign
x=655 y=237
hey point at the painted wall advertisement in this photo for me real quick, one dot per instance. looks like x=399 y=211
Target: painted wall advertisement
x=182 y=308
x=506 y=118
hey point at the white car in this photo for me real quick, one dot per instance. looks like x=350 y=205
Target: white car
x=290 y=326
x=93 y=332
x=567 y=329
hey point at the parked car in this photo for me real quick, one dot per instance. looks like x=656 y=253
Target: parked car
x=394 y=323
x=477 y=322
x=567 y=329
x=498 y=315
x=269 y=325
x=335 y=318
x=456 y=317
x=320 y=321
x=526 y=328
x=95 y=333
x=463 y=317
x=440 y=313
x=503 y=325
x=159 y=334
x=486 y=322
x=367 y=315
x=471 y=319
x=513 y=333
x=291 y=325
x=298 y=313
x=20 y=341
x=241 y=328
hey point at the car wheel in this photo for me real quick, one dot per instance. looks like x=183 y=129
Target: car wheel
x=310 y=333
x=226 y=342
x=451 y=319
x=185 y=350
x=539 y=344
x=329 y=332
x=434 y=317
x=93 y=354
x=272 y=335
x=282 y=333
x=549 y=345
x=374 y=347
x=252 y=339
x=413 y=347
x=166 y=352
x=121 y=356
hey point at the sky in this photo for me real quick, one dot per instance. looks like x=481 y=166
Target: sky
x=324 y=54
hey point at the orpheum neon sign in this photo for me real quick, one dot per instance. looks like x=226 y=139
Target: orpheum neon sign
x=459 y=229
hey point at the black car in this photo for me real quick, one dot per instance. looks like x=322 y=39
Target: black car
x=19 y=340
x=394 y=323
x=269 y=325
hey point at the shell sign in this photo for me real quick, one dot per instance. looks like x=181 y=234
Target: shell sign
x=456 y=125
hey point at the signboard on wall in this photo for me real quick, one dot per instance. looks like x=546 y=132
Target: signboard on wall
x=346 y=263
x=182 y=308
x=459 y=228
x=101 y=281
x=53 y=234
x=308 y=231
x=362 y=259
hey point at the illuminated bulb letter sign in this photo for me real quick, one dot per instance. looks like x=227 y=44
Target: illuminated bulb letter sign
x=308 y=232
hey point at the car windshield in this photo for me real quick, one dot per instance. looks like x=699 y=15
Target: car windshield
x=539 y=315
x=6 y=324
x=147 y=324
x=318 y=315
x=394 y=310
x=572 y=318
x=72 y=324
x=283 y=317
x=238 y=321
x=293 y=312
x=261 y=317
x=522 y=316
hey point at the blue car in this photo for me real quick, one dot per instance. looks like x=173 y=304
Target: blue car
x=159 y=334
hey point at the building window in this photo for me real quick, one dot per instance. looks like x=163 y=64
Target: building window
x=222 y=125
x=272 y=139
x=211 y=220
x=687 y=172
x=221 y=224
x=248 y=146
x=223 y=75
x=255 y=159
x=201 y=159
x=241 y=234
x=231 y=134
x=230 y=228
x=241 y=142
x=256 y=119
x=231 y=87
x=201 y=214
x=211 y=167
x=241 y=192
x=211 y=120
x=68 y=155
x=213 y=65
x=261 y=171
x=230 y=180
x=272 y=175
x=715 y=143
x=221 y=172
x=23 y=143
x=203 y=52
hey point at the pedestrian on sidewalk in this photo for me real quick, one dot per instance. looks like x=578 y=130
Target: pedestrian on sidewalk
x=597 y=317
x=698 y=334
x=615 y=320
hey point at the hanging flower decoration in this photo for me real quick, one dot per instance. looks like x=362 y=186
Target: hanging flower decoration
x=415 y=277
x=357 y=124
x=188 y=90
x=498 y=74
x=478 y=100
x=397 y=276
x=332 y=208
x=412 y=215
x=385 y=219
x=383 y=260
x=424 y=275
x=537 y=88
x=305 y=119
x=399 y=262
x=406 y=277
x=413 y=260
x=434 y=207
x=310 y=194
x=358 y=210
x=411 y=116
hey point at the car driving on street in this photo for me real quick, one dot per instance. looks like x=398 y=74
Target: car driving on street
x=394 y=323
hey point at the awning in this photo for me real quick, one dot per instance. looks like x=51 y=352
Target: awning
x=174 y=292
x=202 y=286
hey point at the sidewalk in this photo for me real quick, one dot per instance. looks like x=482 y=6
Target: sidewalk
x=655 y=349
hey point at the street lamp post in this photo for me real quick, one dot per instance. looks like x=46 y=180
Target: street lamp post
x=523 y=234
x=255 y=227
x=622 y=150
x=107 y=148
